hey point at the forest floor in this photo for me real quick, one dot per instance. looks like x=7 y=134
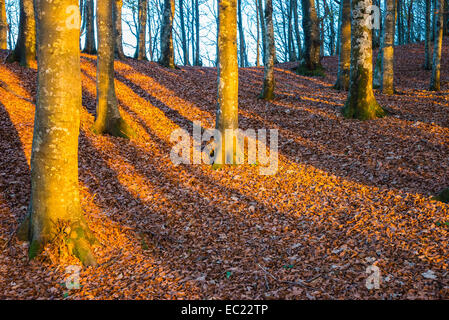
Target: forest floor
x=348 y=194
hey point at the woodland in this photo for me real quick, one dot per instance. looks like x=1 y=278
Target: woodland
x=355 y=91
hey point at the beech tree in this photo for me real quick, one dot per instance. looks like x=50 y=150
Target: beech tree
x=387 y=52
x=118 y=35
x=361 y=103
x=25 y=50
x=141 y=51
x=227 y=109
x=436 y=65
x=242 y=45
x=310 y=64
x=108 y=119
x=54 y=211
x=89 y=17
x=270 y=52
x=344 y=52
x=3 y=26
x=167 y=50
x=427 y=45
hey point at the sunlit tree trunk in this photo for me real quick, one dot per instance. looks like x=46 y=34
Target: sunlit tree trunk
x=387 y=53
x=141 y=50
x=311 y=60
x=361 y=103
x=167 y=51
x=54 y=210
x=89 y=46
x=270 y=52
x=436 y=65
x=25 y=50
x=3 y=26
x=118 y=34
x=227 y=109
x=427 y=45
x=108 y=119
x=344 y=56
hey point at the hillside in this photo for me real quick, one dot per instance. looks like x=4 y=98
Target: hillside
x=347 y=193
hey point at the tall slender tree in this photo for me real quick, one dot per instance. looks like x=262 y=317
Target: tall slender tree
x=3 y=26
x=118 y=34
x=427 y=45
x=108 y=119
x=436 y=65
x=310 y=64
x=270 y=53
x=25 y=50
x=296 y=24
x=242 y=44
x=344 y=53
x=185 y=47
x=361 y=103
x=89 y=46
x=227 y=108
x=167 y=50
x=54 y=210
x=387 y=52
x=141 y=49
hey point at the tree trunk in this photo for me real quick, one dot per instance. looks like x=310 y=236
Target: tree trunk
x=296 y=22
x=3 y=26
x=198 y=61
x=435 y=79
x=427 y=47
x=108 y=119
x=54 y=211
x=270 y=52
x=310 y=64
x=25 y=50
x=242 y=44
x=344 y=56
x=185 y=47
x=228 y=79
x=387 y=53
x=167 y=51
x=258 y=35
x=263 y=31
x=141 y=50
x=291 y=42
x=118 y=49
x=361 y=103
x=89 y=46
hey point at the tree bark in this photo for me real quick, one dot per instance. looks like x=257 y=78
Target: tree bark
x=263 y=31
x=54 y=211
x=198 y=61
x=436 y=65
x=361 y=103
x=387 y=53
x=89 y=46
x=167 y=51
x=427 y=45
x=242 y=44
x=270 y=52
x=296 y=22
x=311 y=60
x=185 y=47
x=3 y=26
x=25 y=50
x=227 y=109
x=108 y=119
x=344 y=56
x=141 y=50
x=118 y=35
